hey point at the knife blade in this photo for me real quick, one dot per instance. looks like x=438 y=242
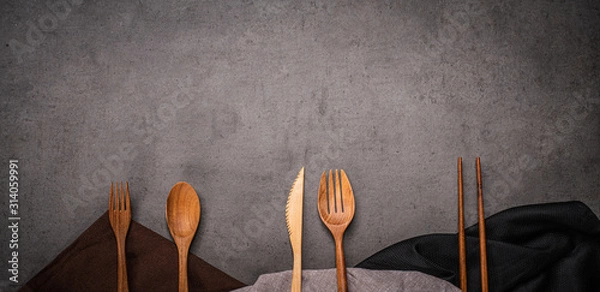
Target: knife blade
x=293 y=218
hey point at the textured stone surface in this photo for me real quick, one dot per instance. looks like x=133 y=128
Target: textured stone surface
x=235 y=97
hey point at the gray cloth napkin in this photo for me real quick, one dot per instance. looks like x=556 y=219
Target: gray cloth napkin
x=358 y=280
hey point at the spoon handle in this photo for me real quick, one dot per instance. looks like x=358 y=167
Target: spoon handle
x=183 y=270
x=340 y=264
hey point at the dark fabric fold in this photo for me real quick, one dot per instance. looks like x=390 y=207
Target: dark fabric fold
x=90 y=264
x=543 y=247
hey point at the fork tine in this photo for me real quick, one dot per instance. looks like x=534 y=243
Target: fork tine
x=323 y=193
x=347 y=188
x=127 y=199
x=331 y=194
x=111 y=201
x=339 y=207
x=117 y=196
x=121 y=197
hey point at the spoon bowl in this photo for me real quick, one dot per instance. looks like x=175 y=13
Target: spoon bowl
x=183 y=217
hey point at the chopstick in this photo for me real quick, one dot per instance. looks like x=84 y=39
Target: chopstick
x=462 y=252
x=482 y=245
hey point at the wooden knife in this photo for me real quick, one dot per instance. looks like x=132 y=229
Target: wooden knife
x=293 y=217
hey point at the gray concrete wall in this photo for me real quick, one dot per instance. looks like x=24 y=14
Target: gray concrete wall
x=235 y=97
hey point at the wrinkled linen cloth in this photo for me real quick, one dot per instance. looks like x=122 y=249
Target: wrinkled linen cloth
x=358 y=280
x=543 y=247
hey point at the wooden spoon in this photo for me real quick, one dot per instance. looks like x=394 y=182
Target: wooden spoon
x=183 y=216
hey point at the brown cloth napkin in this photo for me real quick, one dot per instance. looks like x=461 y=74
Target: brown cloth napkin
x=90 y=264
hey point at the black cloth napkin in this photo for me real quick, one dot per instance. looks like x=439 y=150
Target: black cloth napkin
x=543 y=247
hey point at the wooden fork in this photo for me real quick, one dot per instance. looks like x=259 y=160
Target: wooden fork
x=336 y=209
x=119 y=215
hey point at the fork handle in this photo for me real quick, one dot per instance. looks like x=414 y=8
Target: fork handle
x=123 y=286
x=340 y=264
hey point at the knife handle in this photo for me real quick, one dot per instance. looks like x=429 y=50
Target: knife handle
x=297 y=273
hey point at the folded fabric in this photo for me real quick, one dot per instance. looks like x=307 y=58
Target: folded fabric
x=544 y=247
x=90 y=264
x=358 y=280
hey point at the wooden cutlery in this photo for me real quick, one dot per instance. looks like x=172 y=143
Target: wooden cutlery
x=119 y=215
x=336 y=209
x=183 y=217
x=461 y=230
x=462 y=249
x=293 y=218
x=481 y=216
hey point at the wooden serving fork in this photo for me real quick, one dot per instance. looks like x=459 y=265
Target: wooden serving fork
x=119 y=215
x=336 y=209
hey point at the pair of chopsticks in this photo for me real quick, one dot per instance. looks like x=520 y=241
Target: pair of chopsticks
x=462 y=253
